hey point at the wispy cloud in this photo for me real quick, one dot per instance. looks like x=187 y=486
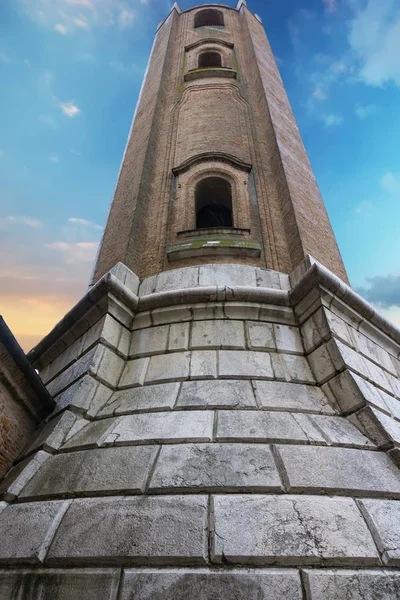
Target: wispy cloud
x=23 y=220
x=70 y=109
x=84 y=222
x=332 y=120
x=330 y=6
x=54 y=159
x=126 y=18
x=383 y=290
x=81 y=22
x=78 y=252
x=363 y=112
x=319 y=94
x=374 y=37
x=391 y=182
x=364 y=208
x=60 y=28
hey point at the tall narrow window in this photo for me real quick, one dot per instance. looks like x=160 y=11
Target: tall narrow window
x=209 y=60
x=213 y=198
x=209 y=16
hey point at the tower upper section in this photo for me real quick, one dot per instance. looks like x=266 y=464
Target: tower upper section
x=215 y=169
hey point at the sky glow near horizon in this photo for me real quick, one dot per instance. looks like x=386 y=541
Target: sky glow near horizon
x=70 y=74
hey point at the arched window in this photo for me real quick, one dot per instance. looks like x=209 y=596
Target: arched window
x=209 y=60
x=209 y=16
x=213 y=197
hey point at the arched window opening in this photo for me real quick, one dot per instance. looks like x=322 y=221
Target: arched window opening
x=209 y=16
x=213 y=198
x=210 y=59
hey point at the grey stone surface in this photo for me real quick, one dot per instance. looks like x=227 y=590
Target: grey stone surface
x=252 y=425
x=383 y=519
x=26 y=530
x=153 y=340
x=182 y=426
x=198 y=394
x=371 y=584
x=290 y=396
x=19 y=476
x=172 y=314
x=340 y=470
x=53 y=434
x=134 y=372
x=90 y=434
x=215 y=467
x=218 y=334
x=288 y=339
x=59 y=584
x=150 y=397
x=201 y=584
x=339 y=431
x=261 y=335
x=289 y=367
x=285 y=530
x=203 y=364
x=178 y=337
x=227 y=275
x=382 y=429
x=93 y=471
x=169 y=366
x=245 y=364
x=86 y=394
x=176 y=279
x=146 y=530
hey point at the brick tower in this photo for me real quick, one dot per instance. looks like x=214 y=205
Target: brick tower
x=227 y=421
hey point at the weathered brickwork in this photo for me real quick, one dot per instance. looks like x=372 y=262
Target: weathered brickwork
x=235 y=123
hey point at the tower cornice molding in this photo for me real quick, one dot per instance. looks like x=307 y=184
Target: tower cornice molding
x=212 y=156
x=206 y=41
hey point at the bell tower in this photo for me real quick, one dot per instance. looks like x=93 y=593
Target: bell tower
x=221 y=411
x=215 y=169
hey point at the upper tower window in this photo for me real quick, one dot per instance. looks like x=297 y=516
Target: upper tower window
x=209 y=16
x=213 y=198
x=209 y=60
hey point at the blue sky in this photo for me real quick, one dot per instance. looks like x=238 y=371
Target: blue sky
x=70 y=74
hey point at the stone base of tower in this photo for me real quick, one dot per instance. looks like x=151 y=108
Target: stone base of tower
x=221 y=431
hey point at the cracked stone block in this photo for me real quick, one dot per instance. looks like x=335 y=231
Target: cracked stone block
x=150 y=397
x=18 y=477
x=371 y=584
x=383 y=519
x=245 y=364
x=89 y=435
x=227 y=275
x=178 y=339
x=203 y=364
x=60 y=584
x=270 y=279
x=218 y=334
x=291 y=367
x=52 y=435
x=198 y=394
x=209 y=585
x=86 y=394
x=177 y=279
x=117 y=470
x=382 y=429
x=286 y=530
x=339 y=431
x=144 y=530
x=288 y=339
x=292 y=396
x=171 y=427
x=253 y=425
x=26 y=530
x=261 y=336
x=215 y=467
x=153 y=340
x=169 y=366
x=340 y=470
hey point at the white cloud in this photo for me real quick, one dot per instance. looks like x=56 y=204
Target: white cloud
x=70 y=109
x=54 y=159
x=374 y=37
x=60 y=28
x=125 y=18
x=364 y=208
x=84 y=222
x=81 y=22
x=79 y=252
x=21 y=220
x=391 y=182
x=319 y=94
x=332 y=120
x=363 y=112
x=83 y=3
x=330 y=5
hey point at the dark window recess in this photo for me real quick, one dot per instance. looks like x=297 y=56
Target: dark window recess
x=210 y=59
x=213 y=199
x=209 y=16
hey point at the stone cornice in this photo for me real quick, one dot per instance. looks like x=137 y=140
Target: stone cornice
x=206 y=41
x=212 y=156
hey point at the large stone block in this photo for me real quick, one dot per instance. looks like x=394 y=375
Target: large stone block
x=145 y=530
x=149 y=397
x=59 y=584
x=340 y=470
x=281 y=395
x=218 y=394
x=285 y=530
x=18 y=477
x=134 y=372
x=91 y=434
x=253 y=425
x=218 y=334
x=211 y=585
x=261 y=336
x=178 y=339
x=383 y=518
x=153 y=340
x=215 y=467
x=339 y=431
x=245 y=364
x=106 y=470
x=289 y=367
x=203 y=364
x=227 y=275
x=169 y=366
x=26 y=530
x=371 y=584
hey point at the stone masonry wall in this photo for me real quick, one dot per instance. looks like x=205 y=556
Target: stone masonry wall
x=199 y=447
